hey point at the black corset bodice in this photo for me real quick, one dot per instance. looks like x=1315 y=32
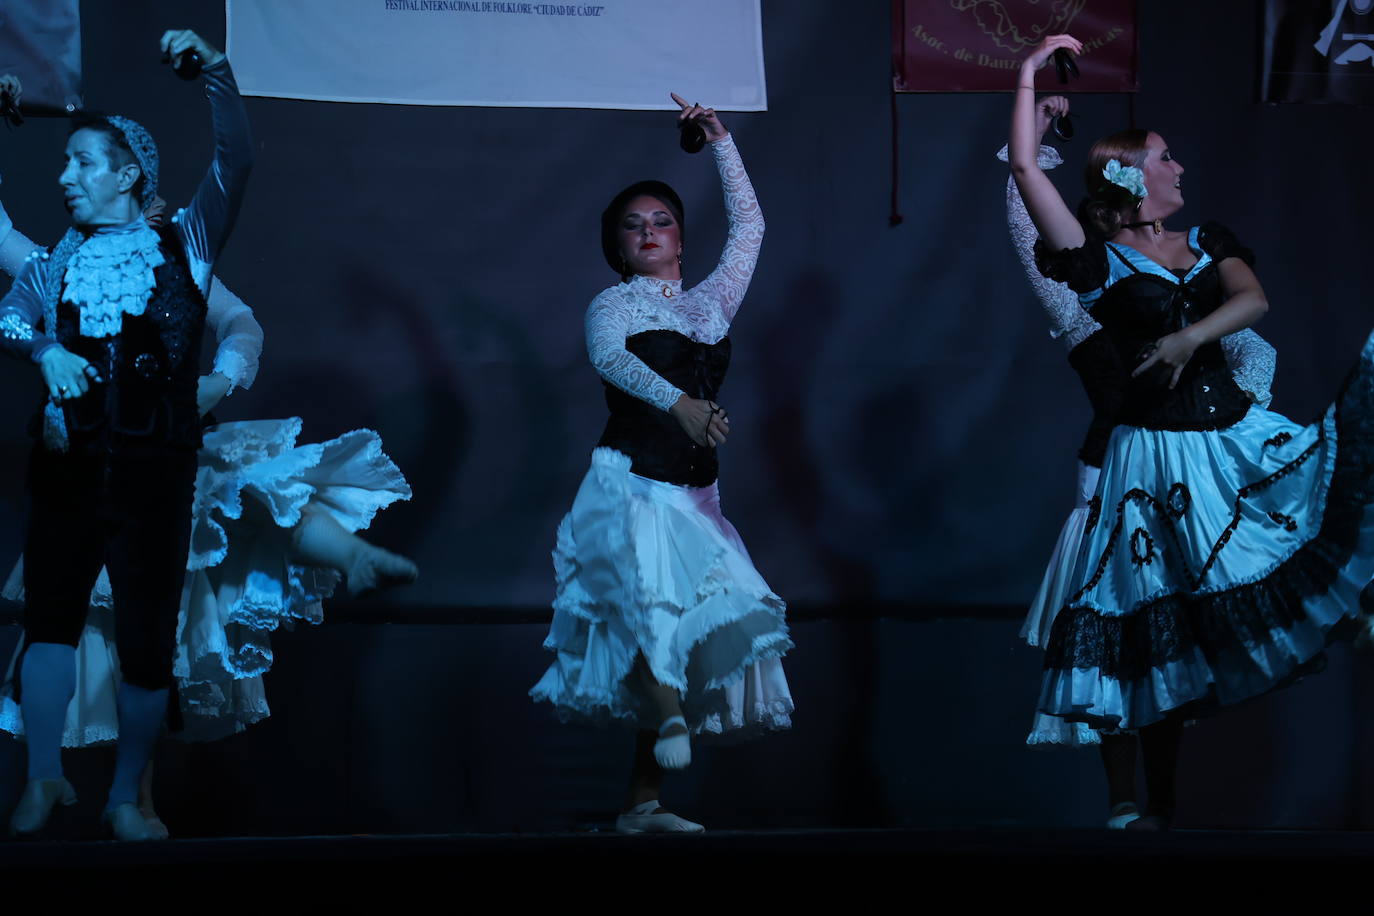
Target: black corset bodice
x=150 y=369
x=1141 y=308
x=1099 y=369
x=1135 y=311
x=657 y=446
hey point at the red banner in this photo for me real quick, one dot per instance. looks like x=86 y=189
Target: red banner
x=977 y=45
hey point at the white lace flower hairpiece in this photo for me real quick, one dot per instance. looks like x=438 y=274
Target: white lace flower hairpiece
x=1127 y=177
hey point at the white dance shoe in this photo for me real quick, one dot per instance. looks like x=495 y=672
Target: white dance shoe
x=649 y=817
x=36 y=805
x=127 y=824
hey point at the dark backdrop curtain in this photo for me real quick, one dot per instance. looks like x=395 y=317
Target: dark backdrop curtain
x=905 y=429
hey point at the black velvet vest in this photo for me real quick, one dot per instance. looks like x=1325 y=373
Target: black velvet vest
x=657 y=446
x=150 y=369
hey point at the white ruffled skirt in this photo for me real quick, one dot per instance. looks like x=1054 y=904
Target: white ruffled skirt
x=644 y=567
x=1055 y=588
x=252 y=484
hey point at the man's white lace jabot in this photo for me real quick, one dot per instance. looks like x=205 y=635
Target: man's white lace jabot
x=110 y=276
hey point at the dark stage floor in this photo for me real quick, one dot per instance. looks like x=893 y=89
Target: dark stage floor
x=951 y=848
x=409 y=730
x=842 y=871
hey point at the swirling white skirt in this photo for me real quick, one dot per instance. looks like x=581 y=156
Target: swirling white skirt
x=252 y=484
x=649 y=568
x=1055 y=589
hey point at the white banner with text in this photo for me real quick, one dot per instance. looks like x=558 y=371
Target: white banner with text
x=613 y=54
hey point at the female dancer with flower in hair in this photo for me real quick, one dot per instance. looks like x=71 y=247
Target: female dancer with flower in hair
x=1225 y=545
x=1094 y=359
x=660 y=618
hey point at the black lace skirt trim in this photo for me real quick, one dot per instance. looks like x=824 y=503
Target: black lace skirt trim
x=1219 y=624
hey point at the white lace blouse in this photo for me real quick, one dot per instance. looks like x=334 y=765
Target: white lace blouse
x=702 y=313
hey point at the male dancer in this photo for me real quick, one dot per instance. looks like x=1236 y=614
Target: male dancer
x=113 y=316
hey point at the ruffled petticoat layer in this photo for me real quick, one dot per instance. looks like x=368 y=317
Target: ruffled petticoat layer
x=648 y=567
x=1217 y=565
x=252 y=485
x=1055 y=589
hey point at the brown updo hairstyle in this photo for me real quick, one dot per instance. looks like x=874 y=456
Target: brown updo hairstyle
x=1101 y=212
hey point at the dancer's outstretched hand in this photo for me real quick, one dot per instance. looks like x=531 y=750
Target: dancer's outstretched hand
x=1172 y=352
x=1046 y=110
x=66 y=375
x=705 y=118
x=1042 y=52
x=179 y=41
x=704 y=422
x=210 y=390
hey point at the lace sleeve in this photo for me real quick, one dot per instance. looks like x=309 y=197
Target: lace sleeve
x=1252 y=360
x=608 y=318
x=728 y=283
x=1069 y=321
x=238 y=334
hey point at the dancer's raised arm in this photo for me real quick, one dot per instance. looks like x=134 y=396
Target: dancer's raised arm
x=1056 y=222
x=728 y=283
x=1070 y=323
x=205 y=223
